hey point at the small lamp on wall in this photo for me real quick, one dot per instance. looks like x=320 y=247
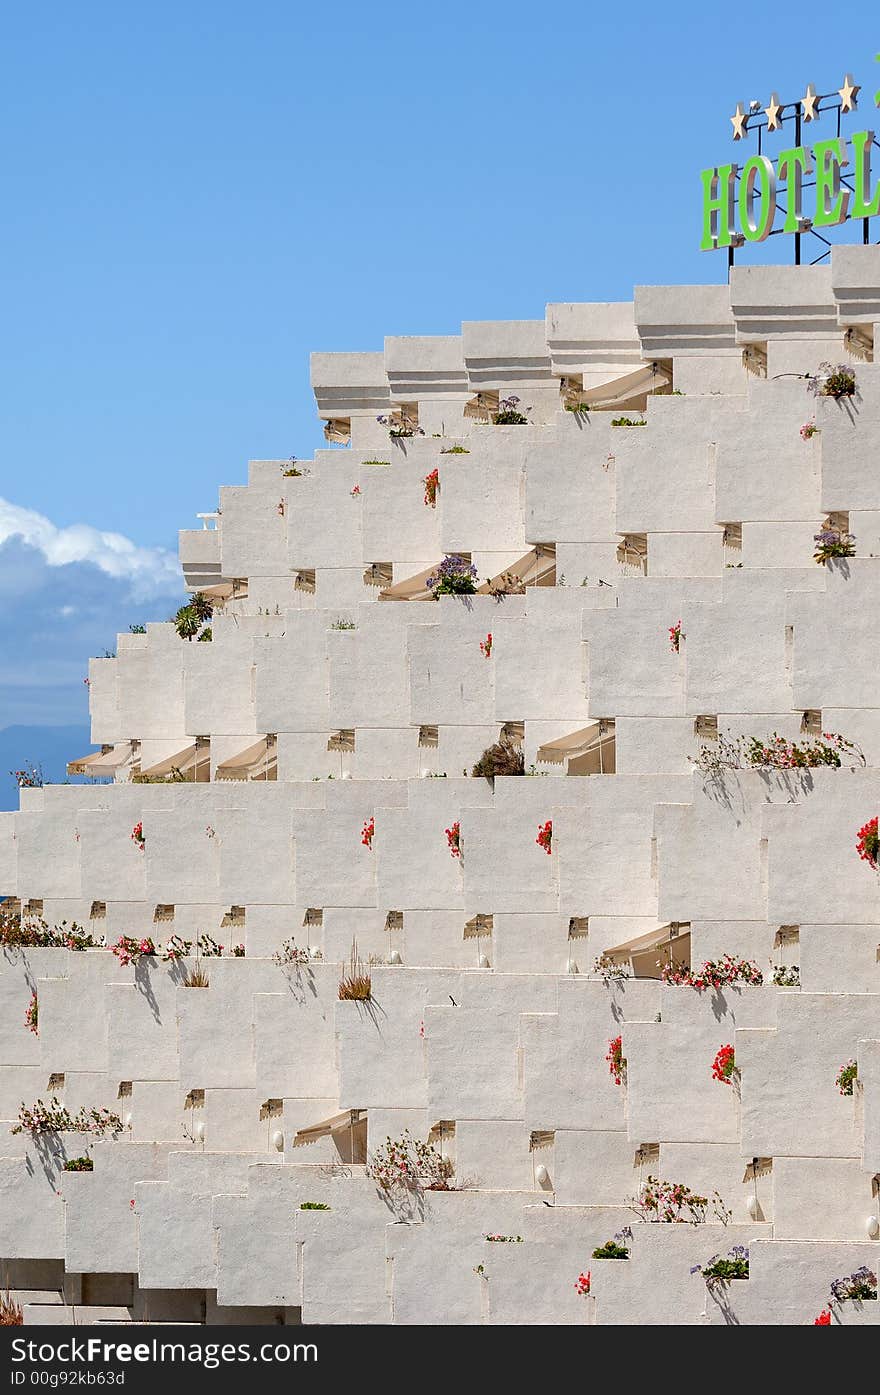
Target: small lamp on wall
x=872 y=1227
x=278 y=1141
x=484 y=962
x=394 y=957
x=542 y=1176
x=752 y=1206
x=200 y=1132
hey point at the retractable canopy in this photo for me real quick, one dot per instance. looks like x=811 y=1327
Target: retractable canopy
x=102 y=762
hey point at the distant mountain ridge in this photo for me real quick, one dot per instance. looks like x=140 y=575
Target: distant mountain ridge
x=48 y=747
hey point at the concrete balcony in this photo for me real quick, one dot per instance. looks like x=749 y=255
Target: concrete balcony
x=199 y=552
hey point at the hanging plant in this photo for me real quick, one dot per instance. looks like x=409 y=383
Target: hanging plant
x=868 y=843
x=486 y=646
x=583 y=1283
x=355 y=491
x=675 y=637
x=367 y=832
x=616 y=1060
x=130 y=951
x=432 y=484
x=832 y=380
x=137 y=836
x=724 y=1066
x=453 y=839
x=808 y=430
x=845 y=1077
x=545 y=836
x=31 y=1016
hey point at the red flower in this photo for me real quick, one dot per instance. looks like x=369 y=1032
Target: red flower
x=583 y=1282
x=453 y=839
x=868 y=842
x=824 y=1319
x=432 y=484
x=367 y=832
x=545 y=836
x=724 y=1065
x=615 y=1059
x=486 y=646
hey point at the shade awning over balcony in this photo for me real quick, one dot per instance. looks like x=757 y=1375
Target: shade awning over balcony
x=103 y=762
x=257 y=762
x=587 y=751
x=184 y=762
x=536 y=568
x=414 y=588
x=665 y=945
x=620 y=390
x=336 y=1124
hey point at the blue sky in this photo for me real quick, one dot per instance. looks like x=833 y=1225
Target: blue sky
x=198 y=195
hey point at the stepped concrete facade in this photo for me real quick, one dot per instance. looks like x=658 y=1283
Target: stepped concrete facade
x=647 y=602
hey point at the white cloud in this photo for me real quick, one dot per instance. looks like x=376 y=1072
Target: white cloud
x=148 y=570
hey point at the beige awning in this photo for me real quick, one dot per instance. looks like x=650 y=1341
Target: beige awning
x=346 y=1120
x=619 y=390
x=412 y=589
x=536 y=568
x=182 y=761
x=260 y=758
x=102 y=762
x=659 y=936
x=587 y=751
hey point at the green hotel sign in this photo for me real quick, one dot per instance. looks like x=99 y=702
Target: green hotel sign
x=744 y=200
x=815 y=186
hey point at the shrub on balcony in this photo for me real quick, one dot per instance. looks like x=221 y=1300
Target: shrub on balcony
x=508 y=413
x=501 y=759
x=453 y=577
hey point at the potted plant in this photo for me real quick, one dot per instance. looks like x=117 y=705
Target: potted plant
x=508 y=413
x=832 y=380
x=868 y=843
x=724 y=1066
x=453 y=577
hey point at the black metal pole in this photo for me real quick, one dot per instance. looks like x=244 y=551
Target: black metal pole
x=797 y=141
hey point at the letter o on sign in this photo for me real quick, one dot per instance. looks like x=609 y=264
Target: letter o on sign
x=758 y=179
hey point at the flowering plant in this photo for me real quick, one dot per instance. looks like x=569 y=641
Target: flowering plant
x=432 y=484
x=857 y=1286
x=400 y=426
x=845 y=1077
x=823 y=1320
x=724 y=1066
x=453 y=577
x=674 y=1203
x=508 y=413
x=408 y=1162
x=715 y=973
x=131 y=951
x=720 y=1271
x=367 y=832
x=54 y=1117
x=583 y=1283
x=176 y=948
x=83 y=1164
x=453 y=839
x=787 y=976
x=675 y=637
x=868 y=842
x=137 y=835
x=35 y=933
x=237 y=951
x=612 y=1249
x=290 y=953
x=355 y=491
x=808 y=430
x=609 y=971
x=832 y=380
x=833 y=542
x=777 y=753
x=545 y=836
x=32 y=1015
x=28 y=778
x=486 y=646
x=616 y=1060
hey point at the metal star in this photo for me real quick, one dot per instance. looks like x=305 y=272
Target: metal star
x=848 y=94
x=773 y=112
x=808 y=102
x=740 y=122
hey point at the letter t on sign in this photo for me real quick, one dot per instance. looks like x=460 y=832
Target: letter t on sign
x=719 y=201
